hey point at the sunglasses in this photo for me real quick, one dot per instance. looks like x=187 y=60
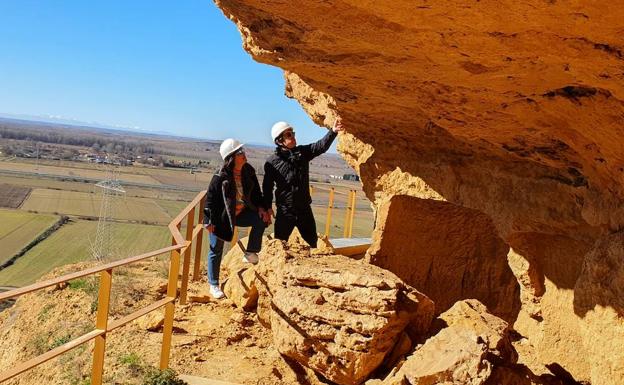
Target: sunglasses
x=288 y=135
x=240 y=151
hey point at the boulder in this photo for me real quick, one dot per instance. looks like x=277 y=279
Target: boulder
x=152 y=322
x=461 y=353
x=453 y=356
x=240 y=286
x=473 y=315
x=335 y=315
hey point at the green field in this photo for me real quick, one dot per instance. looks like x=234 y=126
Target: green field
x=87 y=204
x=362 y=222
x=173 y=208
x=18 y=228
x=72 y=243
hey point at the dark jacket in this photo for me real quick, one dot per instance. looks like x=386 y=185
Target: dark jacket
x=289 y=172
x=220 y=208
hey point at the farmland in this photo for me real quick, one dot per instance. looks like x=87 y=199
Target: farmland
x=88 y=205
x=18 y=228
x=12 y=196
x=41 y=190
x=72 y=243
x=76 y=172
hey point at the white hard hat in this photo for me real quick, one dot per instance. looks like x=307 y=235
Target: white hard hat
x=278 y=128
x=228 y=147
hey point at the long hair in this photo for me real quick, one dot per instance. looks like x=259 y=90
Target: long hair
x=228 y=165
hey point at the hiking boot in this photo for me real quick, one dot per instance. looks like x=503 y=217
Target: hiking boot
x=250 y=258
x=216 y=292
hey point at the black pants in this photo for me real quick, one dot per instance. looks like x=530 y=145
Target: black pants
x=303 y=220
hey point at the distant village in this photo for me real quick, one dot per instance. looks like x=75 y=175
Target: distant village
x=56 y=152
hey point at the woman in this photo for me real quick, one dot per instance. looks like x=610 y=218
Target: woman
x=233 y=199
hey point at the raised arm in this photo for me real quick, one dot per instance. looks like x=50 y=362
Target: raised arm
x=315 y=149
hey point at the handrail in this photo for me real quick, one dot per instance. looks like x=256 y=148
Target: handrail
x=180 y=246
x=50 y=354
x=139 y=313
x=83 y=273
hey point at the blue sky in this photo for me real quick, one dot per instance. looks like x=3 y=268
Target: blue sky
x=175 y=66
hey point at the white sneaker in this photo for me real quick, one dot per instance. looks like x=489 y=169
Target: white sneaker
x=250 y=258
x=216 y=292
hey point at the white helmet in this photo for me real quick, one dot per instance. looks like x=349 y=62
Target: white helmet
x=228 y=147
x=278 y=128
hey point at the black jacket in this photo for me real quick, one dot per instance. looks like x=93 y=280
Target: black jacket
x=220 y=208
x=289 y=172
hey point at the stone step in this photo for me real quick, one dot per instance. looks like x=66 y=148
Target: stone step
x=194 y=380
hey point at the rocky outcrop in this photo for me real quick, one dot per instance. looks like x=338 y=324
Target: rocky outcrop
x=337 y=316
x=502 y=125
x=461 y=353
x=240 y=285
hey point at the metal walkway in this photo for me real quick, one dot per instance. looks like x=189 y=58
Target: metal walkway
x=350 y=246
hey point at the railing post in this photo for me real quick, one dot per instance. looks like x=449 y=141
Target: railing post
x=172 y=292
x=101 y=323
x=330 y=205
x=200 y=239
x=348 y=209
x=190 y=223
x=353 y=192
x=235 y=237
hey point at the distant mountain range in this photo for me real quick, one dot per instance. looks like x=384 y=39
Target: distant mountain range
x=59 y=120
x=77 y=124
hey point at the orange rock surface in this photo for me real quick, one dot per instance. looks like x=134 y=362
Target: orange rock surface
x=502 y=123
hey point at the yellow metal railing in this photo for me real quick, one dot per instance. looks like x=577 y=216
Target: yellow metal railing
x=349 y=212
x=181 y=246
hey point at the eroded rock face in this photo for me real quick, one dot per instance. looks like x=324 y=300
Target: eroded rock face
x=599 y=301
x=337 y=316
x=449 y=252
x=512 y=109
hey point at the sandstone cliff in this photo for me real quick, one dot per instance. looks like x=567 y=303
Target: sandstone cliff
x=488 y=136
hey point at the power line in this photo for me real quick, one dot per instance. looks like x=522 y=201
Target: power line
x=111 y=189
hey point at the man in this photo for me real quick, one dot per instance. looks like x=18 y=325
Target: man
x=288 y=171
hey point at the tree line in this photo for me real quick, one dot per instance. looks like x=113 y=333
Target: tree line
x=75 y=138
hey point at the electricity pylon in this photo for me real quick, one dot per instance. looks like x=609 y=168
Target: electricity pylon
x=101 y=248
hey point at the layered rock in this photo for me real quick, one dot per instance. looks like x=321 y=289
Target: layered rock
x=240 y=284
x=510 y=112
x=337 y=316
